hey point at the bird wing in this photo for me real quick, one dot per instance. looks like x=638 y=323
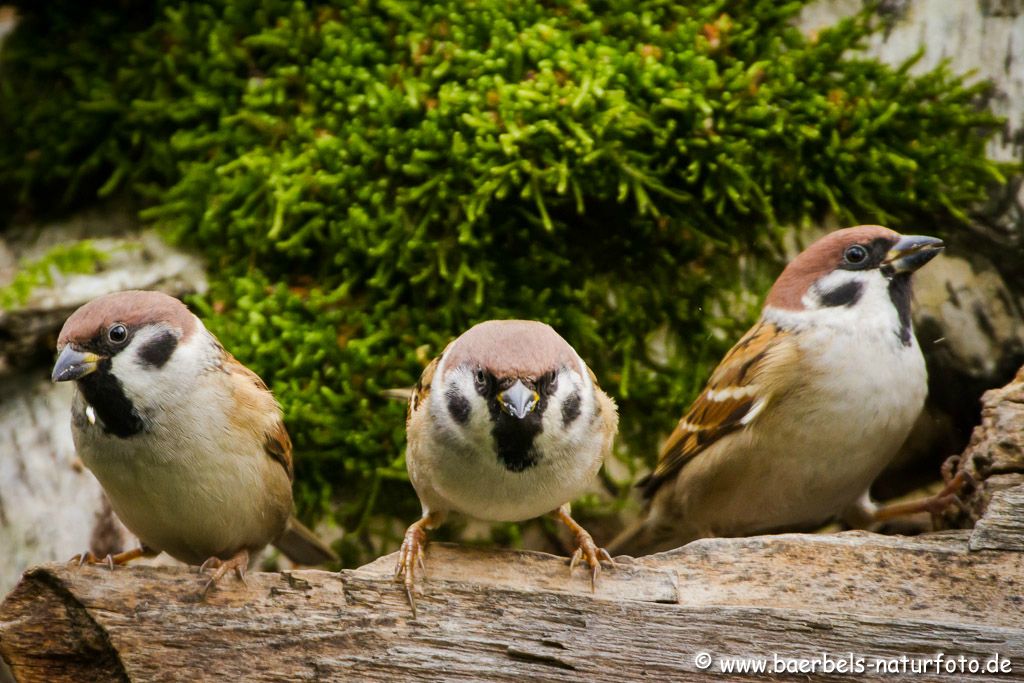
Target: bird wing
x=737 y=393
x=296 y=541
x=421 y=391
x=252 y=393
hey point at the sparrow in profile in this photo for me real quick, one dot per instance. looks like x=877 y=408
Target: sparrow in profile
x=807 y=409
x=187 y=442
x=507 y=424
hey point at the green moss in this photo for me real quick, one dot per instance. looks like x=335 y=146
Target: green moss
x=367 y=179
x=63 y=259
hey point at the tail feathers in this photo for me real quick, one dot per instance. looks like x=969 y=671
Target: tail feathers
x=634 y=540
x=649 y=485
x=302 y=546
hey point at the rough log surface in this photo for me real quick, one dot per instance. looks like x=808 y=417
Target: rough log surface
x=512 y=616
x=994 y=458
x=1002 y=527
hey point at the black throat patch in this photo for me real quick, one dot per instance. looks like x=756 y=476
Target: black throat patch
x=513 y=436
x=513 y=439
x=115 y=411
x=900 y=294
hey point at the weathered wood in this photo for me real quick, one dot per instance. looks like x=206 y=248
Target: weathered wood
x=994 y=458
x=1002 y=527
x=534 y=571
x=508 y=616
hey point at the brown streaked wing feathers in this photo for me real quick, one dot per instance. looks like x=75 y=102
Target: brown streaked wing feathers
x=707 y=421
x=422 y=389
x=279 y=447
x=252 y=393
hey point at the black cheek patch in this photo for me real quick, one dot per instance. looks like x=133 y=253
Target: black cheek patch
x=571 y=408
x=158 y=350
x=844 y=295
x=458 y=407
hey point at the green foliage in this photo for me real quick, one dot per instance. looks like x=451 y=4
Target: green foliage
x=64 y=259
x=367 y=179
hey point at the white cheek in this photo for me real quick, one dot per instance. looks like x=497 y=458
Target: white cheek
x=148 y=386
x=556 y=434
x=873 y=310
x=476 y=432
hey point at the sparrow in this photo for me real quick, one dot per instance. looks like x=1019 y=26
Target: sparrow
x=806 y=409
x=188 y=444
x=507 y=424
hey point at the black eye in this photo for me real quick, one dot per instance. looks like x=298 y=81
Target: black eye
x=855 y=255
x=117 y=334
x=480 y=377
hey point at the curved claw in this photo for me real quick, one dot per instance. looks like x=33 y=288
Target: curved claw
x=88 y=557
x=110 y=561
x=589 y=551
x=576 y=557
x=214 y=562
x=83 y=558
x=410 y=555
x=935 y=504
x=239 y=562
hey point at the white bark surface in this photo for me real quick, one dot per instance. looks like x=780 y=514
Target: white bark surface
x=48 y=501
x=981 y=36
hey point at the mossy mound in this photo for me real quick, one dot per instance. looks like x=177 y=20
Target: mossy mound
x=368 y=179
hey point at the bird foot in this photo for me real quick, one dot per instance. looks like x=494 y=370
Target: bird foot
x=586 y=549
x=935 y=505
x=239 y=562
x=88 y=557
x=410 y=555
x=591 y=553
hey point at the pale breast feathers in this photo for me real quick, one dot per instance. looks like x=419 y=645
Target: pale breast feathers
x=738 y=391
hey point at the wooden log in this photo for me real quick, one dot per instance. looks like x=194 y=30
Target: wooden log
x=1002 y=527
x=512 y=616
x=994 y=458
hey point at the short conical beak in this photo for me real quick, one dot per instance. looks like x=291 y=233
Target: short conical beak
x=517 y=400
x=910 y=253
x=73 y=364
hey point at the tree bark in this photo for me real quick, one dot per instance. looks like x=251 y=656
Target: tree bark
x=512 y=616
x=994 y=463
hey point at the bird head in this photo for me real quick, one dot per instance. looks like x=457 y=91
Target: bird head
x=514 y=389
x=126 y=351
x=854 y=272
